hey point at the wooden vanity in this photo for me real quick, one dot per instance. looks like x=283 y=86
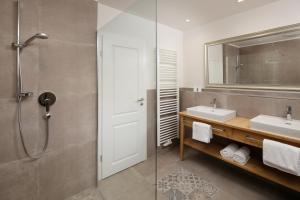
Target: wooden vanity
x=238 y=130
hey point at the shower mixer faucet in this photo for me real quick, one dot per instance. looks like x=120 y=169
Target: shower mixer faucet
x=47 y=99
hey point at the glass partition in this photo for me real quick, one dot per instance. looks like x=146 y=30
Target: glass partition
x=127 y=99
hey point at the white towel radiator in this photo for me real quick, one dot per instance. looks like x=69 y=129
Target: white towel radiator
x=167 y=96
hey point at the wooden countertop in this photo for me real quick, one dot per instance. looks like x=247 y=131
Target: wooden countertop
x=243 y=124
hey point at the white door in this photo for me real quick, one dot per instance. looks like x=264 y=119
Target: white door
x=123 y=106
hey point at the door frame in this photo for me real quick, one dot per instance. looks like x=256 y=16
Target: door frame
x=100 y=36
x=99 y=105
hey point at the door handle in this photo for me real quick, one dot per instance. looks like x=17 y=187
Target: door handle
x=140 y=100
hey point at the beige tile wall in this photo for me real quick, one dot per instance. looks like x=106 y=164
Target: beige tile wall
x=151 y=122
x=66 y=65
x=246 y=103
x=275 y=63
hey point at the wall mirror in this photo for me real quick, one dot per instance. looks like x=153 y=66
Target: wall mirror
x=262 y=60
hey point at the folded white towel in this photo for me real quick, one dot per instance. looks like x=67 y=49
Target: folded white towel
x=242 y=155
x=281 y=156
x=202 y=132
x=228 y=151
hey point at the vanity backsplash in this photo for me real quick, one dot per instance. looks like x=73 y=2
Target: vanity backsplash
x=247 y=103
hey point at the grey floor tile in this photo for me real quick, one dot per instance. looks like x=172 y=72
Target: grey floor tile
x=89 y=194
x=137 y=183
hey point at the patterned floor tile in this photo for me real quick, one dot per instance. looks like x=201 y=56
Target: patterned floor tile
x=186 y=185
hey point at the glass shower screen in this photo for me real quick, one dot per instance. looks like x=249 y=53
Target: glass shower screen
x=127 y=99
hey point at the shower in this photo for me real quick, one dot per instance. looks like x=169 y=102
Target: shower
x=46 y=99
x=28 y=41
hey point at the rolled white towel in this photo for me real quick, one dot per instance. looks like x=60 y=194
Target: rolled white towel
x=229 y=150
x=242 y=155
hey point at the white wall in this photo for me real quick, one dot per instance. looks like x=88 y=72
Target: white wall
x=279 y=13
x=172 y=39
x=115 y=21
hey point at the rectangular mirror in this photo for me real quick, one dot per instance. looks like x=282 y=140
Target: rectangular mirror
x=263 y=60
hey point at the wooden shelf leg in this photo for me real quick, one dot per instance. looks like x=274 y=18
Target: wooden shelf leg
x=181 y=135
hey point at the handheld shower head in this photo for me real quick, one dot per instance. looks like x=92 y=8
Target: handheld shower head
x=36 y=36
x=41 y=36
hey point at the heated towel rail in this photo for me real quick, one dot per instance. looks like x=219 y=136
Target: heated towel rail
x=167 y=96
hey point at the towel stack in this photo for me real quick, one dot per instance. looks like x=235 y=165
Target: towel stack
x=233 y=152
x=242 y=155
x=228 y=151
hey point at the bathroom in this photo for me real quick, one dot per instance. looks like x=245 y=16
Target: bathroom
x=75 y=126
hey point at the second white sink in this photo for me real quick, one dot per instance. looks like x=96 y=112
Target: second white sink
x=212 y=113
x=277 y=125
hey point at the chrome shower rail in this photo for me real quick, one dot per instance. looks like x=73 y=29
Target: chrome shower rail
x=20 y=95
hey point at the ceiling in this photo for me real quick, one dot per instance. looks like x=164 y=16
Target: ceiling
x=174 y=12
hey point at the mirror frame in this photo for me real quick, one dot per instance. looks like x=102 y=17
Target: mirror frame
x=259 y=34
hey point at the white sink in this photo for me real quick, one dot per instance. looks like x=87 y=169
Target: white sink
x=276 y=125
x=212 y=113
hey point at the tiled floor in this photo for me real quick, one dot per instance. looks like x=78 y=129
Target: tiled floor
x=137 y=183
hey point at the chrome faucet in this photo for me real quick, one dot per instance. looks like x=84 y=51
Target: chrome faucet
x=289 y=113
x=214 y=103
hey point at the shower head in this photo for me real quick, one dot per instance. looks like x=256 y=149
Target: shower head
x=41 y=36
x=36 y=36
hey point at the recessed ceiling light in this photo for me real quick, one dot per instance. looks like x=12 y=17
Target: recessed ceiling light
x=239 y=1
x=187 y=20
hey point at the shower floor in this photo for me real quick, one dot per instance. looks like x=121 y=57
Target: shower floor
x=199 y=177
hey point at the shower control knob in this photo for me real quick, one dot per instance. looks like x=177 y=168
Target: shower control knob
x=47 y=99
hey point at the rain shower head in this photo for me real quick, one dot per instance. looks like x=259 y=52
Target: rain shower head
x=36 y=36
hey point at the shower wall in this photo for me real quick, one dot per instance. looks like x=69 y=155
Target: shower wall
x=274 y=63
x=66 y=65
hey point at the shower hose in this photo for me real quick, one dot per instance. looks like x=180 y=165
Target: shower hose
x=19 y=116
